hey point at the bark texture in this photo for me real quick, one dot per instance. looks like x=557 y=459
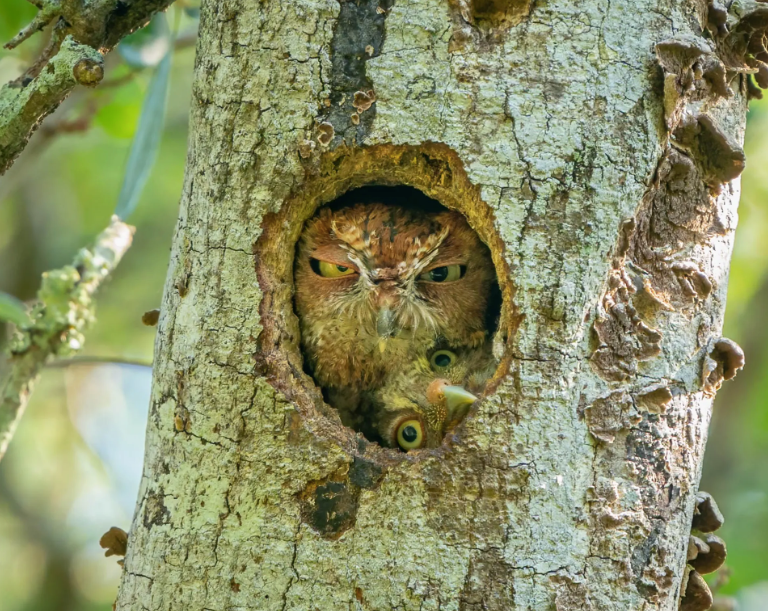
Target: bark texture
x=599 y=166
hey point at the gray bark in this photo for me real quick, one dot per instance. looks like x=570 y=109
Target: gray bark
x=600 y=169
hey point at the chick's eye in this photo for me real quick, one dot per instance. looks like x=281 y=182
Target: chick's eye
x=410 y=434
x=446 y=273
x=442 y=359
x=330 y=270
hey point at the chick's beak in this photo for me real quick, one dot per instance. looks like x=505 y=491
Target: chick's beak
x=456 y=398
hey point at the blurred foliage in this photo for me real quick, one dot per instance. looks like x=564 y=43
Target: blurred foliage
x=737 y=451
x=72 y=471
x=73 y=468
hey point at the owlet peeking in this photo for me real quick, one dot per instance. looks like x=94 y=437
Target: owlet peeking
x=377 y=286
x=423 y=400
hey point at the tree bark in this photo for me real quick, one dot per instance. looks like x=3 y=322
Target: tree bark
x=600 y=167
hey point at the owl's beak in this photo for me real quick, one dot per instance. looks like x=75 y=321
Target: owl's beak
x=385 y=325
x=457 y=398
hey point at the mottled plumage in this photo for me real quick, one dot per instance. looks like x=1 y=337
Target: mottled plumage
x=436 y=390
x=377 y=286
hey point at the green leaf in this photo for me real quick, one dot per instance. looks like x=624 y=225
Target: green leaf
x=13 y=310
x=146 y=142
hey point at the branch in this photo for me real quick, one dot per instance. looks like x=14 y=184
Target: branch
x=63 y=311
x=59 y=124
x=22 y=109
x=86 y=31
x=92 y=361
x=100 y=24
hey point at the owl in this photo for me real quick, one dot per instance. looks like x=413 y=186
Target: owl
x=418 y=404
x=377 y=285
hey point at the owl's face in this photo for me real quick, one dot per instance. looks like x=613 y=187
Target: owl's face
x=376 y=284
x=422 y=400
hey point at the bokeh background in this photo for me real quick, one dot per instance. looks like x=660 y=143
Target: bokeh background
x=73 y=468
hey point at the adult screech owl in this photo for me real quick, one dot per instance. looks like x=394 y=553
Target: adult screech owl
x=421 y=401
x=377 y=286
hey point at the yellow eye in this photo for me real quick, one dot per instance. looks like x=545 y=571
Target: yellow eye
x=410 y=435
x=446 y=273
x=330 y=270
x=442 y=360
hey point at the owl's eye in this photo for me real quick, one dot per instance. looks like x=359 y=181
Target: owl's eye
x=446 y=273
x=410 y=434
x=330 y=270
x=442 y=360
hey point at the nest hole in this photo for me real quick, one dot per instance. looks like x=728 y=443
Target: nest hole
x=498 y=14
x=398 y=303
x=425 y=179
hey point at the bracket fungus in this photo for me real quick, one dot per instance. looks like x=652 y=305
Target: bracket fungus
x=711 y=553
x=723 y=361
x=719 y=157
x=697 y=594
x=706 y=554
x=706 y=517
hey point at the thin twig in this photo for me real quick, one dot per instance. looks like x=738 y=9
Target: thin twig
x=48 y=11
x=27 y=161
x=119 y=81
x=98 y=360
x=70 y=126
x=59 y=123
x=63 y=311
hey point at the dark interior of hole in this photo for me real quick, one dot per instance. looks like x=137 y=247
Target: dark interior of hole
x=401 y=195
x=495 y=13
x=410 y=199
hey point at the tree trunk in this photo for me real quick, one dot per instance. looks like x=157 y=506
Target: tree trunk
x=601 y=169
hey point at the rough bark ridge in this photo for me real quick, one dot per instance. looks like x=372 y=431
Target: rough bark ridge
x=600 y=169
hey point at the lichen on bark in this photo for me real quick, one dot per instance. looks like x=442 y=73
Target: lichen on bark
x=566 y=487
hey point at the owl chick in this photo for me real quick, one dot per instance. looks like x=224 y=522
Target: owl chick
x=377 y=285
x=468 y=367
x=418 y=404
